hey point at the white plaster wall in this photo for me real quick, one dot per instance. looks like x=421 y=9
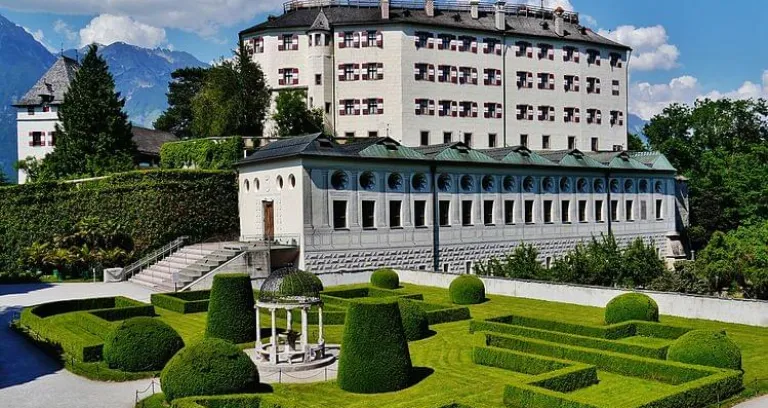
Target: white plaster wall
x=39 y=122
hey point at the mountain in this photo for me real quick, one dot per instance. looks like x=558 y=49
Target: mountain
x=23 y=61
x=635 y=124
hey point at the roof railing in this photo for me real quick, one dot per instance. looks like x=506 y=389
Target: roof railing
x=510 y=8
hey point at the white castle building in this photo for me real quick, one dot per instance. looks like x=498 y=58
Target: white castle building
x=489 y=75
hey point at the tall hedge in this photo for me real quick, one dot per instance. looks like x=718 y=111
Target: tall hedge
x=374 y=356
x=154 y=207
x=231 y=314
x=211 y=154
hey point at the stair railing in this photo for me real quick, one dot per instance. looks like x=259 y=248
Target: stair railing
x=154 y=257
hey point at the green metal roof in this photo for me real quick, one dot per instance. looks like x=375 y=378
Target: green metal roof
x=571 y=158
x=518 y=155
x=389 y=149
x=654 y=160
x=456 y=151
x=618 y=160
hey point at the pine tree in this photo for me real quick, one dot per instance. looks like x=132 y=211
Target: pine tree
x=94 y=136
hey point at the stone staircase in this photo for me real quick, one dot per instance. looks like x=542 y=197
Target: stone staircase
x=189 y=262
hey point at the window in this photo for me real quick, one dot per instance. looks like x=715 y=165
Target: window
x=339 y=214
x=425 y=107
x=373 y=106
x=629 y=210
x=371 y=71
x=594 y=145
x=395 y=219
x=466 y=212
x=446 y=267
x=593 y=57
x=467 y=109
x=372 y=39
x=468 y=139
x=349 y=135
x=491 y=139
x=488 y=212
x=524 y=79
x=348 y=72
x=37 y=139
x=349 y=39
x=445 y=213
x=446 y=108
x=615 y=87
x=328 y=108
x=492 y=77
x=524 y=49
x=467 y=75
x=286 y=42
x=509 y=212
x=524 y=112
x=491 y=45
x=582 y=210
x=467 y=44
x=447 y=137
x=546 y=51
x=571 y=54
x=528 y=211
x=423 y=40
x=547 y=211
x=31 y=111
x=446 y=42
x=545 y=142
x=546 y=80
x=288 y=76
x=419 y=213
x=347 y=107
x=318 y=79
x=659 y=209
x=643 y=210
x=599 y=211
x=46 y=108
x=565 y=211
x=571 y=142
x=53 y=139
x=593 y=85
x=616 y=60
x=571 y=115
x=548 y=262
x=571 y=83
x=524 y=140
x=444 y=73
x=424 y=138
x=614 y=210
x=546 y=113
x=492 y=110
x=421 y=72
x=467 y=267
x=617 y=118
x=369 y=214
x=373 y=133
x=318 y=40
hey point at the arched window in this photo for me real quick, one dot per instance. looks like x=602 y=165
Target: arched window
x=395 y=181
x=419 y=182
x=582 y=185
x=467 y=182
x=339 y=180
x=599 y=186
x=510 y=184
x=367 y=180
x=658 y=187
x=444 y=182
x=548 y=185
x=528 y=184
x=615 y=186
x=643 y=185
x=256 y=184
x=292 y=180
x=565 y=185
x=629 y=186
x=488 y=183
x=246 y=185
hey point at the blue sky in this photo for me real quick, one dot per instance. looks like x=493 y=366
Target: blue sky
x=684 y=49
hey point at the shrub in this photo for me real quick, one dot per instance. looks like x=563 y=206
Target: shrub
x=467 y=290
x=209 y=367
x=631 y=306
x=375 y=357
x=708 y=348
x=415 y=323
x=182 y=302
x=385 y=278
x=202 y=153
x=231 y=314
x=141 y=344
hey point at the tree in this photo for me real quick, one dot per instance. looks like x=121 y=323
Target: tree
x=641 y=265
x=185 y=84
x=94 y=137
x=292 y=116
x=635 y=144
x=3 y=178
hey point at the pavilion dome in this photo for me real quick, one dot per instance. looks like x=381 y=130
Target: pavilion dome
x=291 y=285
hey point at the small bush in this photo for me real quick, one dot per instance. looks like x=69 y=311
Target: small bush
x=231 y=315
x=209 y=367
x=141 y=344
x=467 y=290
x=385 y=279
x=705 y=347
x=375 y=356
x=415 y=322
x=631 y=306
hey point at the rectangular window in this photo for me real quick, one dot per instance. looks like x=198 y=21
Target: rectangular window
x=420 y=72
x=629 y=210
x=565 y=211
x=643 y=210
x=318 y=79
x=445 y=213
x=614 y=210
x=372 y=38
x=595 y=144
x=528 y=211
x=46 y=108
x=466 y=212
x=468 y=139
x=395 y=218
x=547 y=211
x=373 y=133
x=424 y=139
x=599 y=211
x=492 y=140
x=349 y=135
x=419 y=213
x=349 y=40
x=369 y=214
x=31 y=111
x=524 y=140
x=339 y=214
x=509 y=212
x=447 y=137
x=659 y=209
x=571 y=142
x=488 y=212
x=615 y=88
x=582 y=210
x=593 y=85
x=53 y=139
x=571 y=83
x=37 y=139
x=545 y=142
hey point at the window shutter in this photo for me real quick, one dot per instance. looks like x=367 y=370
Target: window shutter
x=379 y=39
x=486 y=48
x=341 y=40
x=565 y=114
x=474 y=109
x=42 y=139
x=474 y=76
x=599 y=116
x=51 y=136
x=380 y=106
x=597 y=61
x=431 y=107
x=430 y=41
x=295 y=42
x=576 y=81
x=365 y=107
x=551 y=53
x=31 y=139
x=281 y=78
x=530 y=112
x=474 y=46
x=342 y=107
x=551 y=114
x=356 y=40
x=357 y=106
x=440 y=43
x=417 y=107
x=498 y=77
x=454 y=75
x=380 y=71
x=454 y=43
x=416 y=39
x=357 y=71
x=416 y=71
x=364 y=39
x=431 y=70
x=454 y=108
x=486 y=80
x=364 y=71
x=499 y=111
x=487 y=109
x=341 y=72
x=295 y=76
x=577 y=114
x=551 y=82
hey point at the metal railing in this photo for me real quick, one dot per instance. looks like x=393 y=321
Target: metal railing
x=286 y=240
x=154 y=257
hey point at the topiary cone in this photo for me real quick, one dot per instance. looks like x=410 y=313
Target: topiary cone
x=231 y=315
x=374 y=351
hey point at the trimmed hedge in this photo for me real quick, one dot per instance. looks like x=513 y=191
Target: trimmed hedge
x=385 y=279
x=631 y=306
x=708 y=348
x=141 y=344
x=375 y=357
x=437 y=313
x=182 y=302
x=209 y=367
x=63 y=338
x=344 y=297
x=227 y=401
x=415 y=323
x=613 y=332
x=231 y=313
x=211 y=154
x=467 y=290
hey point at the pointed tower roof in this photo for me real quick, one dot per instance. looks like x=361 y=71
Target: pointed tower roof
x=51 y=87
x=321 y=22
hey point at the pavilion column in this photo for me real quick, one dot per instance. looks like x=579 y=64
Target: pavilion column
x=273 y=350
x=290 y=319
x=304 y=330
x=258 y=333
x=320 y=324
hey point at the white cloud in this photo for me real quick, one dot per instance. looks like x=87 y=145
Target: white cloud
x=107 y=29
x=647 y=100
x=60 y=27
x=565 y=4
x=39 y=36
x=588 y=20
x=198 y=16
x=650 y=45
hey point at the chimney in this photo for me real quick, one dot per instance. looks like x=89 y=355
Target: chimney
x=474 y=11
x=559 y=21
x=429 y=8
x=501 y=17
x=385 y=9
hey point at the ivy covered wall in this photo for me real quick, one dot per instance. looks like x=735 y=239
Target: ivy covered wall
x=211 y=154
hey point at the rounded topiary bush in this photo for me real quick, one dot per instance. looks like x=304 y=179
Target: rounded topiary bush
x=467 y=290
x=385 y=279
x=374 y=353
x=141 y=344
x=631 y=306
x=209 y=367
x=415 y=323
x=705 y=347
x=231 y=315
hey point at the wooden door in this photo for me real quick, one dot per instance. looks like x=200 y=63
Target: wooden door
x=269 y=220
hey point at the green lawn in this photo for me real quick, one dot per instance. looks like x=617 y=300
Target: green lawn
x=456 y=378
